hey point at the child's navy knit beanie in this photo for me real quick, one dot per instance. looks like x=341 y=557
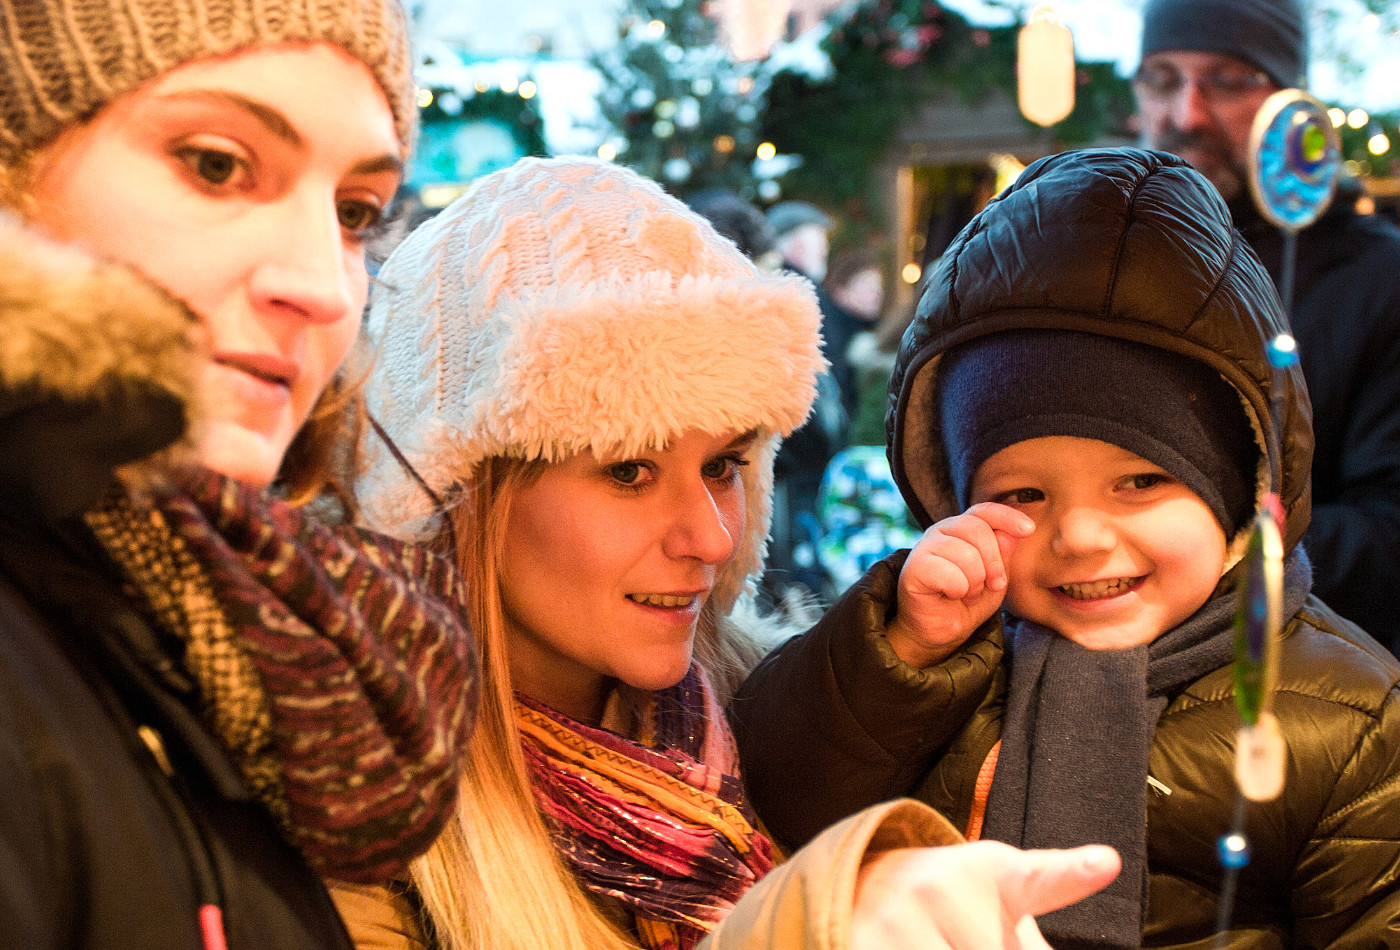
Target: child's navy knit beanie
x=1171 y=410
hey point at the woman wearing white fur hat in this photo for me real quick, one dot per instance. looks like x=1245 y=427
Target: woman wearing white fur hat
x=586 y=386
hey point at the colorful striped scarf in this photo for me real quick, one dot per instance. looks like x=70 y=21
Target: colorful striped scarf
x=659 y=823
x=331 y=663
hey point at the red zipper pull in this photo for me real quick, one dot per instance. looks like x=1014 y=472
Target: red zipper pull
x=211 y=926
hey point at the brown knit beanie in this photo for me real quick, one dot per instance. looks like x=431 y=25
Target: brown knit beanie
x=62 y=60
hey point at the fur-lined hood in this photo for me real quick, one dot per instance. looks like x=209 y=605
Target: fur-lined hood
x=1123 y=243
x=98 y=369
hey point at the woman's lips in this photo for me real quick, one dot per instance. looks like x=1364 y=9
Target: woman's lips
x=264 y=366
x=683 y=606
x=253 y=382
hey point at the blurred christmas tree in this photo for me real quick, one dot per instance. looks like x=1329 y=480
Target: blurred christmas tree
x=683 y=112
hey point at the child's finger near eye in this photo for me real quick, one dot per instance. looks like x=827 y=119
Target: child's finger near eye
x=982 y=538
x=1003 y=518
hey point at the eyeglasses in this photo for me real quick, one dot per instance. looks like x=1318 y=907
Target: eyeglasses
x=1160 y=83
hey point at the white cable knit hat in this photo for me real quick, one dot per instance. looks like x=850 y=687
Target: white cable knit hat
x=563 y=305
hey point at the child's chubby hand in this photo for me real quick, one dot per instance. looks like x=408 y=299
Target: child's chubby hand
x=953 y=580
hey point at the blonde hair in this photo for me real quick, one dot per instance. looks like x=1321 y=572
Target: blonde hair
x=493 y=879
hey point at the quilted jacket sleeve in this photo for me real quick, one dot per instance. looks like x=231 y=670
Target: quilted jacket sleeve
x=833 y=721
x=1346 y=894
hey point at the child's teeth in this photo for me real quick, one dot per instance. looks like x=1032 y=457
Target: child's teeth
x=1097 y=589
x=661 y=600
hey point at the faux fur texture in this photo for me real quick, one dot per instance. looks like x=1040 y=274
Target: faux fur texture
x=568 y=305
x=79 y=328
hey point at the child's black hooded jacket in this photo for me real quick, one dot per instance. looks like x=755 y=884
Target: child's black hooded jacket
x=833 y=721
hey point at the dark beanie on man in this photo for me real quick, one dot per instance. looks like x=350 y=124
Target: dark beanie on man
x=1271 y=34
x=1171 y=410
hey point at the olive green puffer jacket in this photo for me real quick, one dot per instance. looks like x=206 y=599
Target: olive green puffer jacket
x=833 y=720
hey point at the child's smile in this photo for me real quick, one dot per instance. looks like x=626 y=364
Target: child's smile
x=1122 y=552
x=1100 y=590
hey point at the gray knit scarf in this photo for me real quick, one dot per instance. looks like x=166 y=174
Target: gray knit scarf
x=1073 y=763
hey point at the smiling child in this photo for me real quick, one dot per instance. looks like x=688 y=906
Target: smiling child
x=1078 y=419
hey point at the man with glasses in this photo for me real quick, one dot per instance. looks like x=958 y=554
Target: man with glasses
x=1207 y=66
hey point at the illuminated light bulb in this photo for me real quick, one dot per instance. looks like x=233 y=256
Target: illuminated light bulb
x=481 y=85
x=1356 y=118
x=1378 y=144
x=676 y=169
x=656 y=29
x=424 y=97
x=528 y=89
x=1045 y=68
x=1338 y=117
x=1370 y=23
x=509 y=84
x=766 y=151
x=724 y=144
x=911 y=273
x=607 y=152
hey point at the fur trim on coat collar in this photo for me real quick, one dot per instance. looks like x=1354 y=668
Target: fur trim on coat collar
x=96 y=342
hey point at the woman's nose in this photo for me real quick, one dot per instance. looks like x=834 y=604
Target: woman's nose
x=306 y=268
x=702 y=528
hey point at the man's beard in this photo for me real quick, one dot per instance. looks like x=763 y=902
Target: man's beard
x=1222 y=170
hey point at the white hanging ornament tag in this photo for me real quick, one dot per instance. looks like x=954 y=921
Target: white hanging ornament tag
x=1045 y=67
x=751 y=27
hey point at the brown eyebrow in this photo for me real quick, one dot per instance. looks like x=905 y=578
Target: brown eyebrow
x=744 y=440
x=276 y=123
x=373 y=166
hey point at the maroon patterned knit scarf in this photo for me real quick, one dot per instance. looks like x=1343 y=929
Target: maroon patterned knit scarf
x=332 y=663
x=660 y=824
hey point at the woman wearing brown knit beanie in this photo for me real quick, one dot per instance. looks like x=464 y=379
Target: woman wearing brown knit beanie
x=208 y=700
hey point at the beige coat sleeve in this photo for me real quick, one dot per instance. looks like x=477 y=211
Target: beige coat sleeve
x=378 y=918
x=806 y=902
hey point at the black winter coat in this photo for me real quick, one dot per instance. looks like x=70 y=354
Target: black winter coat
x=1346 y=316
x=120 y=815
x=833 y=720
